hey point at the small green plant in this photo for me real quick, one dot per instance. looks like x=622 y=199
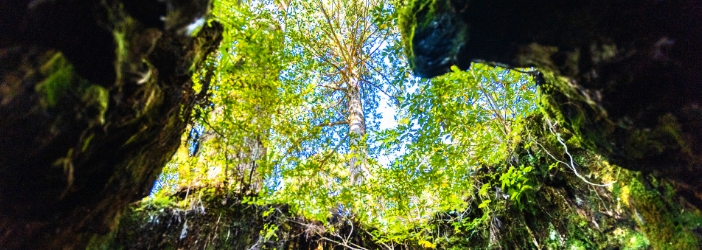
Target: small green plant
x=269 y=231
x=515 y=182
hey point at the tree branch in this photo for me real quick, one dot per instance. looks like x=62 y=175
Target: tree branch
x=329 y=124
x=330 y=87
x=397 y=101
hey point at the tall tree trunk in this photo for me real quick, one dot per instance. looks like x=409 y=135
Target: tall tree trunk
x=357 y=130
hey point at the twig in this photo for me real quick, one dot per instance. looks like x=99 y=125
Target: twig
x=329 y=124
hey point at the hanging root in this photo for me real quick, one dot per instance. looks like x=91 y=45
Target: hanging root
x=571 y=166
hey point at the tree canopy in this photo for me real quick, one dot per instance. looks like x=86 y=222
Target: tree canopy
x=295 y=99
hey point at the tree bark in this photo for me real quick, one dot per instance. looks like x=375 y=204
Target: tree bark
x=357 y=131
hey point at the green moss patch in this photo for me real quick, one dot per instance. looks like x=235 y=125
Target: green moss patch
x=664 y=223
x=59 y=77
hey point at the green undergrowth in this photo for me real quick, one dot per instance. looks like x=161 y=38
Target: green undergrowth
x=621 y=209
x=208 y=218
x=656 y=216
x=533 y=201
x=212 y=218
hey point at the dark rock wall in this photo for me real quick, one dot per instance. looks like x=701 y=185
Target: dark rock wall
x=94 y=95
x=623 y=75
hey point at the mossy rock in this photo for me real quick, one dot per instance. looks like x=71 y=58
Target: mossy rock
x=93 y=103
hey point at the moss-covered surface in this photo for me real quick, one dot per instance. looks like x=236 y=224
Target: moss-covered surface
x=440 y=34
x=59 y=78
x=61 y=82
x=205 y=222
x=666 y=224
x=92 y=105
x=408 y=21
x=620 y=94
x=560 y=210
x=660 y=145
x=211 y=218
x=621 y=76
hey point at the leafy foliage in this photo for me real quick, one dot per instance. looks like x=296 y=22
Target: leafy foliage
x=275 y=119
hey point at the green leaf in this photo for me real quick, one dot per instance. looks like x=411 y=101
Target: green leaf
x=484 y=204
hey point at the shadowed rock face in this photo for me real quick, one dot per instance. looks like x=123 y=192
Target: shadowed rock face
x=94 y=95
x=632 y=88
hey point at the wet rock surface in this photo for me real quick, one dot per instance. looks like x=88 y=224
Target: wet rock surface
x=623 y=75
x=94 y=96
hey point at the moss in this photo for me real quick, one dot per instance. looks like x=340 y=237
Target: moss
x=648 y=202
x=662 y=224
x=422 y=15
x=634 y=240
x=634 y=199
x=576 y=245
x=408 y=22
x=667 y=135
x=86 y=142
x=96 y=98
x=61 y=81
x=670 y=131
x=59 y=76
x=535 y=54
x=562 y=103
x=548 y=104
